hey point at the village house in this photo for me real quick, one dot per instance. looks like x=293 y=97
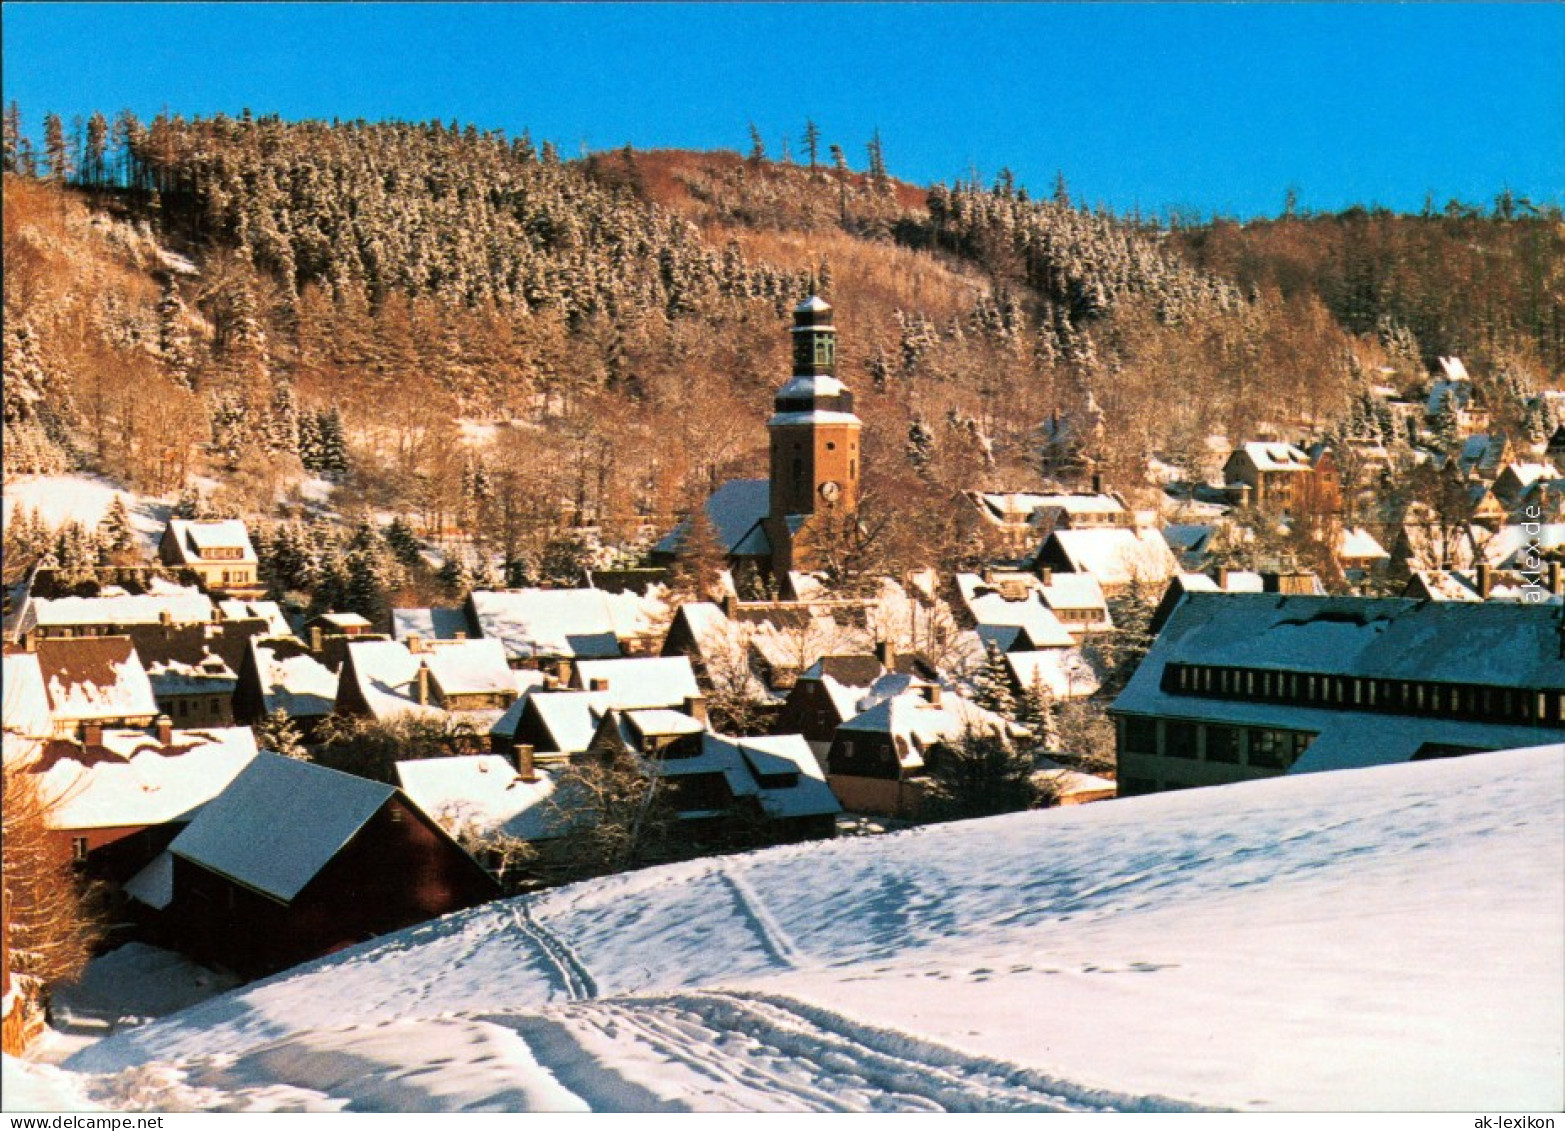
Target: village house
x=827 y=693
x=553 y=725
x=112 y=612
x=1485 y=583
x=429 y=624
x=93 y=683
x=217 y=552
x=1011 y=522
x=293 y=861
x=1453 y=390
x=281 y=674
x=1516 y=480
x=1241 y=686
x=1272 y=477
x=478 y=796
x=546 y=628
x=1120 y=559
x=1358 y=554
x=194 y=668
x=717 y=782
x=131 y=789
x=877 y=757
x=463 y=680
x=1485 y=455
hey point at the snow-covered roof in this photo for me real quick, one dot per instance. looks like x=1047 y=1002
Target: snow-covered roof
x=1118 y=555
x=1071 y=783
x=531 y=623
x=781 y=754
x=154 y=884
x=644 y=681
x=1462 y=585
x=269 y=611
x=660 y=722
x=345 y=620
x=95 y=677
x=915 y=724
x=292 y=680
x=482 y=793
x=570 y=717
x=428 y=624
x=989 y=606
x=814 y=416
x=813 y=305
x=1064 y=671
x=1514 y=547
x=638 y=616
x=1526 y=474
x=182 y=605
x=210 y=675
x=735 y=510
x=805 y=385
x=1359 y=543
x=386 y=675
x=131 y=780
x=1453 y=369
x=1073 y=591
x=1500 y=644
x=193 y=538
x=1276 y=457
x=469 y=667
x=26 y=702
x=279 y=823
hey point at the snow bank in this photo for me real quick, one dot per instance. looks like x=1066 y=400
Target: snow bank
x=1298 y=943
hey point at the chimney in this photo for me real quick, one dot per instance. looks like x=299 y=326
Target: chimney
x=1556 y=579
x=1222 y=578
x=459 y=636
x=1097 y=483
x=165 y=618
x=1046 y=575
x=217 y=613
x=30 y=642
x=423 y=686
x=932 y=694
x=598 y=684
x=92 y=734
x=695 y=707
x=165 y=728
x=886 y=653
x=415 y=643
x=1485 y=580
x=315 y=639
x=525 y=767
x=562 y=672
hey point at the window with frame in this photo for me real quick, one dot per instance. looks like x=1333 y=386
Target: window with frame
x=1140 y=735
x=1222 y=744
x=1181 y=739
x=78 y=848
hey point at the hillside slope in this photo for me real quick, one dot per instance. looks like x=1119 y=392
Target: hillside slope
x=1377 y=939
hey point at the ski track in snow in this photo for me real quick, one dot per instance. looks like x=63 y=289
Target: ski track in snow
x=774 y=939
x=739 y=1051
x=575 y=980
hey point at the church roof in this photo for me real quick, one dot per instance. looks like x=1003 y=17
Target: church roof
x=736 y=510
x=812 y=305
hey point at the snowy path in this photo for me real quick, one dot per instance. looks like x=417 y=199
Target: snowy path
x=575 y=980
x=735 y=1051
x=774 y=939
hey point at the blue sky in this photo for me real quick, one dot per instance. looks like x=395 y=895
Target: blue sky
x=1208 y=108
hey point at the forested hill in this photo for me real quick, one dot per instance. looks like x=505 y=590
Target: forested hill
x=622 y=317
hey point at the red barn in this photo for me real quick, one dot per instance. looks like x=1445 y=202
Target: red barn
x=294 y=861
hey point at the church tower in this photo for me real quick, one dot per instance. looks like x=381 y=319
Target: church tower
x=814 y=440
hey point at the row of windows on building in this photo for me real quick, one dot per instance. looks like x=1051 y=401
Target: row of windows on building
x=1266 y=748
x=1516 y=706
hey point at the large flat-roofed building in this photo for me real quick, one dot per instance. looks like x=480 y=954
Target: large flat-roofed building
x=1250 y=685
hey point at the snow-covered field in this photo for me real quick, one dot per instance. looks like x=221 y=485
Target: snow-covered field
x=1387 y=938
x=84 y=499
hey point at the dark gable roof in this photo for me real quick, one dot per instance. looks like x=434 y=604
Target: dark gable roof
x=850 y=671
x=191 y=643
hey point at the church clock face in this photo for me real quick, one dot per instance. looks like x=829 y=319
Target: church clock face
x=830 y=490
